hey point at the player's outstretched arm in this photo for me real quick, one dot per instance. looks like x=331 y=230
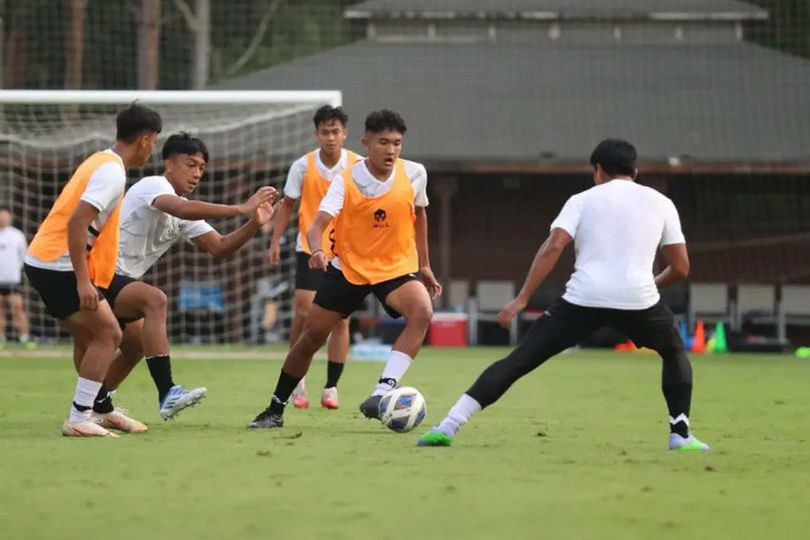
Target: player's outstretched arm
x=677 y=265
x=282 y=220
x=224 y=246
x=77 y=228
x=318 y=260
x=431 y=283
x=185 y=209
x=544 y=262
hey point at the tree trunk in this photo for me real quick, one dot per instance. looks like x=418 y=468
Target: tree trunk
x=202 y=45
x=74 y=47
x=149 y=44
x=16 y=47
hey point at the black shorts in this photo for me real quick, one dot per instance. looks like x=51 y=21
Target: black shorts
x=337 y=294
x=57 y=290
x=306 y=278
x=10 y=288
x=111 y=294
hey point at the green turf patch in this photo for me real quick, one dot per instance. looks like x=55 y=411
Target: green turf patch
x=575 y=450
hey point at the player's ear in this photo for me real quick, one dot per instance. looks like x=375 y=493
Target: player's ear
x=635 y=174
x=365 y=140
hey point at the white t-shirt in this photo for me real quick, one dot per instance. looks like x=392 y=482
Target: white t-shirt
x=370 y=187
x=12 y=254
x=146 y=232
x=617 y=228
x=105 y=187
x=295 y=179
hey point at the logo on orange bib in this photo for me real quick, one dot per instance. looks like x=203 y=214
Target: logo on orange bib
x=381 y=219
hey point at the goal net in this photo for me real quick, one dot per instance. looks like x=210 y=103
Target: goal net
x=253 y=137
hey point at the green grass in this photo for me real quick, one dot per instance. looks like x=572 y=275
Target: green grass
x=575 y=450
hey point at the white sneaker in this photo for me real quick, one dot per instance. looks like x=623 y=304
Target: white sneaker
x=120 y=421
x=329 y=398
x=299 y=396
x=677 y=442
x=85 y=428
x=179 y=398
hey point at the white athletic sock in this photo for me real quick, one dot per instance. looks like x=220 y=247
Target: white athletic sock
x=398 y=363
x=86 y=392
x=25 y=338
x=459 y=415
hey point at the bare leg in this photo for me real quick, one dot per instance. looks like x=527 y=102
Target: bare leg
x=20 y=316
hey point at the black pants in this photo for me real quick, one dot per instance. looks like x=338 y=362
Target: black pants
x=563 y=325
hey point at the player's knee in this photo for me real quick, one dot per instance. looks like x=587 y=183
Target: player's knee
x=156 y=301
x=421 y=316
x=109 y=332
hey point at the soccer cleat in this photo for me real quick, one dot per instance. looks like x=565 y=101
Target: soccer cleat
x=85 y=428
x=29 y=345
x=299 y=396
x=435 y=437
x=329 y=398
x=685 y=444
x=267 y=420
x=178 y=398
x=371 y=407
x=120 y=421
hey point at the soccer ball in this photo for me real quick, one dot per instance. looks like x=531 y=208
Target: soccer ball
x=402 y=409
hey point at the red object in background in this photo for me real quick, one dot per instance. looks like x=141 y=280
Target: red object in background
x=699 y=342
x=448 y=330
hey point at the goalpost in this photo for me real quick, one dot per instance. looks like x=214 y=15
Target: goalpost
x=253 y=137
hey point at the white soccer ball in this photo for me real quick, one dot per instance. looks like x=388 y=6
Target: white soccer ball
x=402 y=409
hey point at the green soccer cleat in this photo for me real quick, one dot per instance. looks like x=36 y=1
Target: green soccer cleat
x=435 y=438
x=686 y=444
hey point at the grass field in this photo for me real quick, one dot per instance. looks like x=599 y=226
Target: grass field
x=575 y=450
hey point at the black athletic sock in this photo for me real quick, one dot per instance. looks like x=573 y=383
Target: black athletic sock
x=160 y=368
x=333 y=372
x=676 y=384
x=103 y=403
x=285 y=386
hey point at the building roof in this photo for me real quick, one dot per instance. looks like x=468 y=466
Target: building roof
x=500 y=106
x=546 y=9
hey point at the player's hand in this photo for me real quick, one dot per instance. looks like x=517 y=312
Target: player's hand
x=510 y=310
x=318 y=260
x=262 y=195
x=263 y=214
x=274 y=253
x=433 y=286
x=88 y=296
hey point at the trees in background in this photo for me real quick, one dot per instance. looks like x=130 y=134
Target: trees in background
x=158 y=43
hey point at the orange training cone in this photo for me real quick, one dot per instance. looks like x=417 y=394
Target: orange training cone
x=699 y=343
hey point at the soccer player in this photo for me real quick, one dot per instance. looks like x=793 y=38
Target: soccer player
x=380 y=244
x=307 y=181
x=155 y=215
x=75 y=251
x=616 y=227
x=12 y=255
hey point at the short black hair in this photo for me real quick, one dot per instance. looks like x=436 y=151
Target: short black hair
x=616 y=156
x=327 y=112
x=184 y=143
x=384 y=120
x=4 y=208
x=136 y=120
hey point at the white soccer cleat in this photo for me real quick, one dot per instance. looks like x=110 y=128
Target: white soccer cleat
x=120 y=421
x=299 y=396
x=329 y=398
x=179 y=398
x=85 y=428
x=677 y=442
